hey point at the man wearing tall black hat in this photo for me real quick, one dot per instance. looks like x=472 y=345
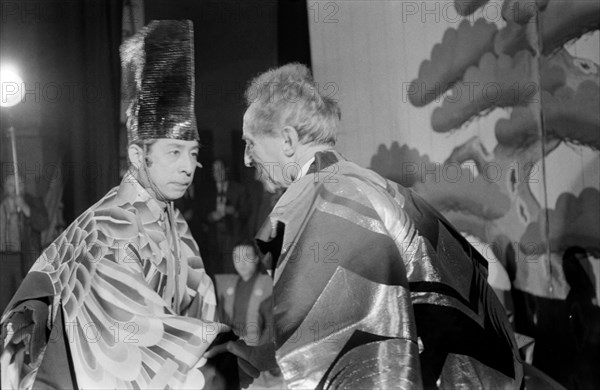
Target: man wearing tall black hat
x=121 y=298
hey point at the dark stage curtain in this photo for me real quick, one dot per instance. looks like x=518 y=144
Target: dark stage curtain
x=91 y=54
x=68 y=55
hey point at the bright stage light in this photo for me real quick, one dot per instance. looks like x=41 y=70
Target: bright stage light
x=12 y=86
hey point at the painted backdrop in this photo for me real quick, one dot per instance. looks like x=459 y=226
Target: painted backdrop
x=489 y=109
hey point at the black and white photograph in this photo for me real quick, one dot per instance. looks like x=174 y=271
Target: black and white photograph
x=300 y=194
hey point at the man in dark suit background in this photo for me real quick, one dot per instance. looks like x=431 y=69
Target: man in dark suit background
x=221 y=210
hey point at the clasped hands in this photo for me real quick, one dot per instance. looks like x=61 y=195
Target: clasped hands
x=251 y=360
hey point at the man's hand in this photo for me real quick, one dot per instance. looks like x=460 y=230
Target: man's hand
x=251 y=360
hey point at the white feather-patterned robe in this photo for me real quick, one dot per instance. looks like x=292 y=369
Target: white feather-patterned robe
x=119 y=300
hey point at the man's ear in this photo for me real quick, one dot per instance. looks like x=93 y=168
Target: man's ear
x=136 y=155
x=290 y=140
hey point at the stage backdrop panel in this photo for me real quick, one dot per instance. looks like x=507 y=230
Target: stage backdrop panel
x=488 y=109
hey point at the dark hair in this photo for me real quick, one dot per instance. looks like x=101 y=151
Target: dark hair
x=260 y=268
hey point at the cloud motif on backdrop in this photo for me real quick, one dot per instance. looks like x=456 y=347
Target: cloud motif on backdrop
x=568 y=116
x=570 y=94
x=479 y=67
x=450 y=186
x=560 y=21
x=573 y=221
x=497 y=81
x=460 y=49
x=574 y=116
x=401 y=164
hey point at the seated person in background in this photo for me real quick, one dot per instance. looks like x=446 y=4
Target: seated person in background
x=33 y=219
x=241 y=295
x=22 y=220
x=583 y=322
x=567 y=332
x=245 y=304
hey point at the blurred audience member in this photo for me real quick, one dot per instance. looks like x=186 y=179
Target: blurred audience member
x=240 y=295
x=567 y=332
x=245 y=304
x=584 y=322
x=222 y=211
x=22 y=219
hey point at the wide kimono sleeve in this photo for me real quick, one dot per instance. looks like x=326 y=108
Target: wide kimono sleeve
x=342 y=308
x=86 y=315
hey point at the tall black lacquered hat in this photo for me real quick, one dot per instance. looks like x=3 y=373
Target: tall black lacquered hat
x=158 y=81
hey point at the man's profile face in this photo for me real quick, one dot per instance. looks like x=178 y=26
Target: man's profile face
x=265 y=153
x=171 y=166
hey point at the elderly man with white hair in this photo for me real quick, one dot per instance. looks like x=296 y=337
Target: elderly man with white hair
x=373 y=288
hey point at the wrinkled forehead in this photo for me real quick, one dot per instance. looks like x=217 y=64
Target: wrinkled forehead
x=248 y=118
x=253 y=117
x=258 y=124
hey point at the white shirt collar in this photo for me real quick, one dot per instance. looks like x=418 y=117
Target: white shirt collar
x=305 y=169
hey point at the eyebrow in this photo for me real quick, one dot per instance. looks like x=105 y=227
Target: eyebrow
x=178 y=146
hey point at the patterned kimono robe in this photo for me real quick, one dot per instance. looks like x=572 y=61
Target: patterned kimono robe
x=119 y=300
x=375 y=289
